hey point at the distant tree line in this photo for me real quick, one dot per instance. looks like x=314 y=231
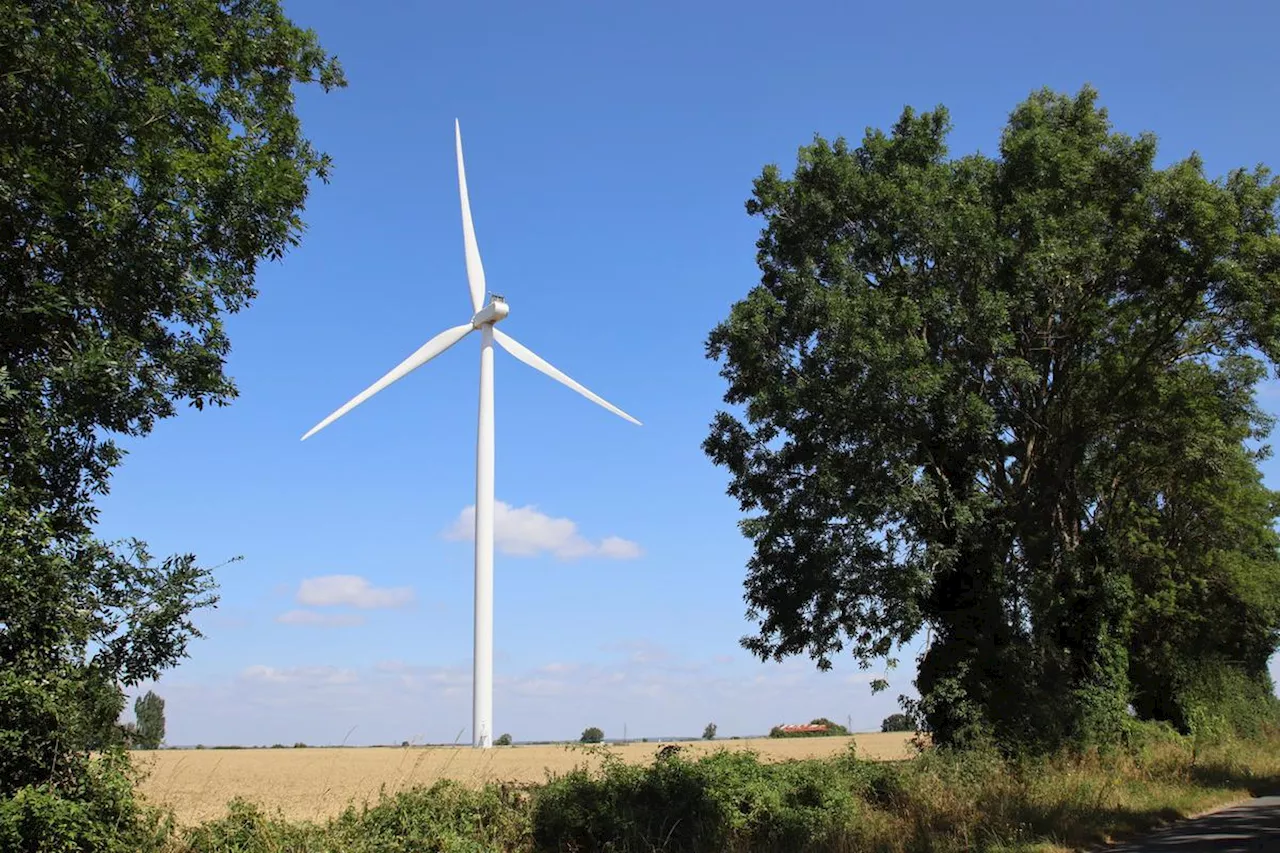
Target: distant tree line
x=820 y=727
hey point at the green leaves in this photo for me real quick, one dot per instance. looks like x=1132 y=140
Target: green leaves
x=148 y=160
x=150 y=157
x=149 y=710
x=956 y=380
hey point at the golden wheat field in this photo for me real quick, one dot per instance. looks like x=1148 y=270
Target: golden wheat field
x=316 y=783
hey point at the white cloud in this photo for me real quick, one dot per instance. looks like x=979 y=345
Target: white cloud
x=352 y=591
x=558 y=668
x=641 y=651
x=617 y=548
x=321 y=620
x=299 y=675
x=526 y=532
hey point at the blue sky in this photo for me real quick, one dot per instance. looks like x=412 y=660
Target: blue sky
x=610 y=148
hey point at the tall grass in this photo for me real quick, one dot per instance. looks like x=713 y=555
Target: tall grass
x=731 y=801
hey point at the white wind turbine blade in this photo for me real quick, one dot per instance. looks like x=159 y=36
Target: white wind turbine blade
x=475 y=269
x=535 y=361
x=424 y=353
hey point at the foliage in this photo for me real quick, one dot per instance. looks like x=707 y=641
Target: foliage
x=709 y=733
x=503 y=740
x=897 y=723
x=722 y=801
x=149 y=711
x=150 y=156
x=445 y=817
x=591 y=734
x=1010 y=399
x=97 y=813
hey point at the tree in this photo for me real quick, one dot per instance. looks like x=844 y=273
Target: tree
x=149 y=711
x=967 y=388
x=503 y=740
x=709 y=733
x=591 y=734
x=1201 y=551
x=150 y=157
x=897 y=723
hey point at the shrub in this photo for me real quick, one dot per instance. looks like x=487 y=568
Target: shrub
x=591 y=734
x=728 y=800
x=503 y=740
x=99 y=814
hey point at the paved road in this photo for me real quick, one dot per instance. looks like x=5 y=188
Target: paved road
x=1247 y=828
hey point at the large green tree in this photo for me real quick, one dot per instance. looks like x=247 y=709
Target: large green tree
x=967 y=388
x=150 y=159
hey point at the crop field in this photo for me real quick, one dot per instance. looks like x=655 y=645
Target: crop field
x=316 y=783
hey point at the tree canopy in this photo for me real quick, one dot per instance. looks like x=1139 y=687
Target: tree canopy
x=149 y=711
x=897 y=723
x=150 y=158
x=1010 y=400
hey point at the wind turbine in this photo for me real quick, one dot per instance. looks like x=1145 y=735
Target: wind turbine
x=484 y=318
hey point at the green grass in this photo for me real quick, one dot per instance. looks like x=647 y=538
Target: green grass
x=727 y=801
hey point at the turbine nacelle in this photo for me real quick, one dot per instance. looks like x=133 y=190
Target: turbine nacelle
x=491 y=313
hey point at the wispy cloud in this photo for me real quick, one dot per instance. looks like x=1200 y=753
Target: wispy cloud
x=320 y=620
x=299 y=675
x=527 y=532
x=617 y=548
x=351 y=591
x=641 y=651
x=557 y=668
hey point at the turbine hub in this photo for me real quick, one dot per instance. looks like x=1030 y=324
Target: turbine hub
x=491 y=313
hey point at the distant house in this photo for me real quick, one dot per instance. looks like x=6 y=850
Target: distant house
x=802 y=729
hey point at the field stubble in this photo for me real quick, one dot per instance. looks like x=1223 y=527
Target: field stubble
x=316 y=783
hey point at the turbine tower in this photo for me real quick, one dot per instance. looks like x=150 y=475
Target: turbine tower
x=484 y=318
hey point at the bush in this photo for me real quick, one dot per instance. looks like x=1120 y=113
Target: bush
x=728 y=800
x=1241 y=706
x=99 y=814
x=591 y=734
x=503 y=740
